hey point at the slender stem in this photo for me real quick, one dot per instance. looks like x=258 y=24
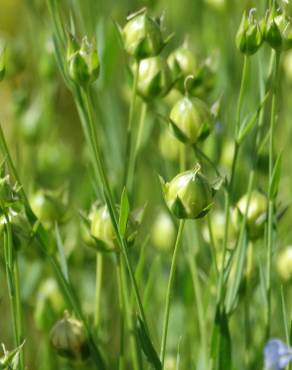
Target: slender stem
x=98 y=285
x=169 y=290
x=198 y=302
x=133 y=157
x=271 y=200
x=212 y=244
x=128 y=159
x=241 y=92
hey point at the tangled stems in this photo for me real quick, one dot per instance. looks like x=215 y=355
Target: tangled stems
x=41 y=235
x=169 y=290
x=101 y=177
x=14 y=289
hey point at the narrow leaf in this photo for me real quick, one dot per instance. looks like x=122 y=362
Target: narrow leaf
x=124 y=213
x=275 y=180
x=147 y=346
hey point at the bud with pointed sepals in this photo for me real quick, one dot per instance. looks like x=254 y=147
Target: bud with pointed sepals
x=256 y=215
x=273 y=34
x=249 y=36
x=182 y=63
x=154 y=78
x=2 y=64
x=142 y=36
x=83 y=61
x=189 y=195
x=191 y=120
x=68 y=338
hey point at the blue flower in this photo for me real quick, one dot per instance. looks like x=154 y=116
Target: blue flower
x=277 y=355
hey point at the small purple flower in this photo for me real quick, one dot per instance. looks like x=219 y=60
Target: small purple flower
x=277 y=355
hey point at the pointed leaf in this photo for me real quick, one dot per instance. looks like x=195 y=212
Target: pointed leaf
x=147 y=345
x=124 y=213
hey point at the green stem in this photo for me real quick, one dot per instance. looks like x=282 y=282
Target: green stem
x=198 y=302
x=271 y=200
x=133 y=157
x=212 y=244
x=129 y=156
x=241 y=92
x=98 y=285
x=169 y=290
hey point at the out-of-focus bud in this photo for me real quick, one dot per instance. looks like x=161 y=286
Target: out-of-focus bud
x=68 y=338
x=218 y=222
x=189 y=194
x=101 y=227
x=216 y=4
x=190 y=120
x=48 y=206
x=169 y=146
x=2 y=64
x=154 y=78
x=256 y=215
x=204 y=78
x=83 y=61
x=182 y=63
x=8 y=192
x=163 y=232
x=273 y=34
x=249 y=37
x=49 y=301
x=30 y=122
x=142 y=35
x=21 y=230
x=170 y=362
x=284 y=264
x=102 y=231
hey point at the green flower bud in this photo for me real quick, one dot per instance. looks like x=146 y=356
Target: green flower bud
x=256 y=215
x=49 y=300
x=68 y=338
x=189 y=194
x=182 y=63
x=169 y=146
x=83 y=61
x=48 y=207
x=2 y=64
x=8 y=192
x=154 y=78
x=273 y=34
x=190 y=120
x=142 y=36
x=101 y=227
x=163 y=232
x=102 y=231
x=249 y=37
x=284 y=264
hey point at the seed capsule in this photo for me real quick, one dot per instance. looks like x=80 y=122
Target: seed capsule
x=83 y=61
x=284 y=264
x=182 y=63
x=189 y=194
x=142 y=36
x=154 y=78
x=249 y=37
x=190 y=120
x=256 y=215
x=69 y=339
